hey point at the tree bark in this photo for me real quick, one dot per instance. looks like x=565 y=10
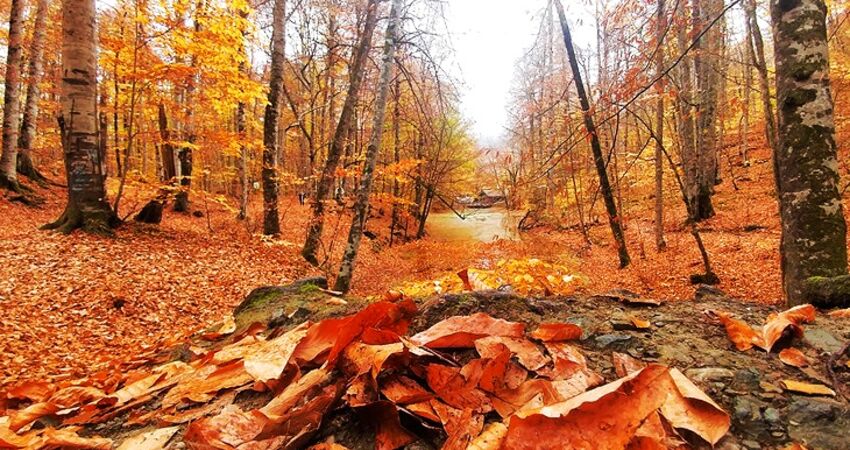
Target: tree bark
x=813 y=239
x=26 y=167
x=184 y=155
x=271 y=218
x=314 y=231
x=705 y=66
x=361 y=205
x=661 y=24
x=241 y=131
x=599 y=160
x=87 y=206
x=761 y=68
x=11 y=100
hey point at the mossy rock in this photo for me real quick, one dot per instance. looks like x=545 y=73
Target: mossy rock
x=828 y=292
x=300 y=301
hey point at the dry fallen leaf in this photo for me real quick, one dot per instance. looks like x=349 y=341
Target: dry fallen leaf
x=787 y=322
x=639 y=323
x=150 y=440
x=463 y=331
x=551 y=332
x=68 y=439
x=491 y=438
x=622 y=406
x=742 y=335
x=807 y=388
x=793 y=357
x=524 y=350
x=840 y=313
x=690 y=408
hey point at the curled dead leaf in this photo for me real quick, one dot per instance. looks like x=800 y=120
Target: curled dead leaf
x=149 y=440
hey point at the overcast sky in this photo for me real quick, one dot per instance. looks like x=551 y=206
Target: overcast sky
x=489 y=36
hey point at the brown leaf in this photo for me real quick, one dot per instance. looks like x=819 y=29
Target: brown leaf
x=68 y=439
x=807 y=388
x=524 y=350
x=463 y=331
x=34 y=391
x=785 y=323
x=554 y=332
x=455 y=390
x=840 y=313
x=150 y=440
x=227 y=430
x=625 y=365
x=491 y=438
x=793 y=357
x=689 y=408
x=741 y=334
x=567 y=359
x=30 y=414
x=72 y=396
x=639 y=323
x=622 y=406
x=402 y=390
x=389 y=434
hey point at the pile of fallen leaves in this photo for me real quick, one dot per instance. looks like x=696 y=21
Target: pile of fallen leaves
x=514 y=390
x=530 y=277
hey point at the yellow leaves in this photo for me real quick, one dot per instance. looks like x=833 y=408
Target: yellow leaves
x=807 y=388
x=525 y=276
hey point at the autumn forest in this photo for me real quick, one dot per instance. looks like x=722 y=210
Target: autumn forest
x=424 y=224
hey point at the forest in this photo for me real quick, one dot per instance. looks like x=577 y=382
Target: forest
x=342 y=224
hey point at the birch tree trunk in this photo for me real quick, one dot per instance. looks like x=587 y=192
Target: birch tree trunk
x=337 y=147
x=661 y=23
x=271 y=186
x=85 y=165
x=813 y=242
x=361 y=205
x=11 y=100
x=598 y=158
x=28 y=126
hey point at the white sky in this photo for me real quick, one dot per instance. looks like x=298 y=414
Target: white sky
x=489 y=36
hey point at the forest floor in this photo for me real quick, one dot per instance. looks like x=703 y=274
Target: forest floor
x=73 y=303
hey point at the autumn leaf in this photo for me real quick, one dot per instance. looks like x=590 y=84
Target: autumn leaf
x=787 y=323
x=741 y=334
x=689 y=408
x=69 y=439
x=553 y=332
x=624 y=404
x=463 y=331
x=625 y=365
x=524 y=350
x=840 y=313
x=491 y=438
x=793 y=357
x=150 y=440
x=807 y=388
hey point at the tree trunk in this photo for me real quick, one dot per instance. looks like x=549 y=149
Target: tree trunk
x=661 y=24
x=361 y=205
x=271 y=219
x=761 y=68
x=314 y=231
x=26 y=167
x=394 y=219
x=599 y=160
x=686 y=122
x=84 y=160
x=184 y=155
x=241 y=131
x=705 y=66
x=11 y=100
x=813 y=239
